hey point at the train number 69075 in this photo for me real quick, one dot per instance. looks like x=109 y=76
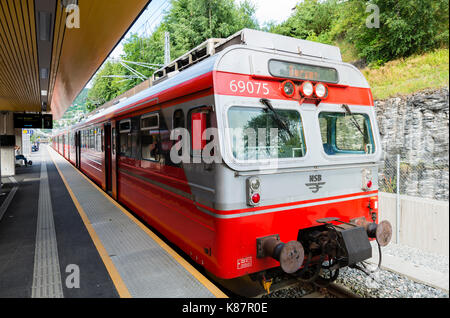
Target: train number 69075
x=249 y=87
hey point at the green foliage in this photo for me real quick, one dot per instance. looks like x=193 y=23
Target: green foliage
x=312 y=20
x=105 y=88
x=406 y=27
x=142 y=49
x=191 y=22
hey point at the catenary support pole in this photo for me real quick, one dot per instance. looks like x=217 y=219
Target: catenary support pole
x=398 y=201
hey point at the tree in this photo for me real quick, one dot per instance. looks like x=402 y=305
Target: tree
x=143 y=49
x=406 y=27
x=105 y=88
x=312 y=20
x=191 y=22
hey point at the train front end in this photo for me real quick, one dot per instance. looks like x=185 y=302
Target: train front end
x=298 y=187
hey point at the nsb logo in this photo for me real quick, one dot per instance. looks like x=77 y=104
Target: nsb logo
x=315 y=183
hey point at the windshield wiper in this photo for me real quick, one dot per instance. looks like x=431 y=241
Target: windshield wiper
x=277 y=118
x=354 y=122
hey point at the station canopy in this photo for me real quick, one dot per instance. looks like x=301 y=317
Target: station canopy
x=46 y=57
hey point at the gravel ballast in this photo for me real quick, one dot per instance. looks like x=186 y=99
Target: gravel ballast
x=383 y=283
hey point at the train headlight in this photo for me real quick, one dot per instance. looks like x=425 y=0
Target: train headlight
x=321 y=90
x=367 y=181
x=307 y=89
x=255 y=184
x=288 y=88
x=253 y=191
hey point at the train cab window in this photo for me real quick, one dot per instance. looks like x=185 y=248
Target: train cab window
x=346 y=134
x=150 y=138
x=257 y=134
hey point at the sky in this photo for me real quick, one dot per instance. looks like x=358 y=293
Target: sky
x=276 y=10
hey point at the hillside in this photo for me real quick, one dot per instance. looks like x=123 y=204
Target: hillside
x=409 y=75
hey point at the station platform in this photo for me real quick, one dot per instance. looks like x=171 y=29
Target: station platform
x=62 y=236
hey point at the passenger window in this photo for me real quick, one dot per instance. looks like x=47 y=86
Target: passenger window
x=125 y=138
x=114 y=141
x=92 y=139
x=199 y=121
x=178 y=119
x=150 y=139
x=99 y=138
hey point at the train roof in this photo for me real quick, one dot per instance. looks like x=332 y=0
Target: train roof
x=204 y=59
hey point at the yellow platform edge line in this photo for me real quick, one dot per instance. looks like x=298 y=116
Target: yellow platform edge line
x=194 y=272
x=110 y=267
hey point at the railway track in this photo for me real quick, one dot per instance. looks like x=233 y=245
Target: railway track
x=310 y=290
x=337 y=291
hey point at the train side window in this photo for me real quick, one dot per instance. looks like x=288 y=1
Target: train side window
x=92 y=139
x=135 y=135
x=102 y=137
x=125 y=138
x=178 y=119
x=98 y=140
x=114 y=141
x=199 y=119
x=150 y=139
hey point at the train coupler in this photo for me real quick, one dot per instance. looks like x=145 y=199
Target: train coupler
x=290 y=254
x=336 y=244
x=382 y=231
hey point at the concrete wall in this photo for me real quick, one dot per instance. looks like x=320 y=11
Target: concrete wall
x=424 y=223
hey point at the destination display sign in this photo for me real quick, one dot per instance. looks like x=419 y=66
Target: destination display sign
x=303 y=71
x=33 y=121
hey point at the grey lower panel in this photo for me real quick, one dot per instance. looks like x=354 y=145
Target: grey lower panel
x=146 y=269
x=47 y=273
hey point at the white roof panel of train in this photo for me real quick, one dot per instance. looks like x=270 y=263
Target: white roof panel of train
x=278 y=42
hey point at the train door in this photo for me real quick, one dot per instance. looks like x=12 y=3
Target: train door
x=114 y=158
x=108 y=157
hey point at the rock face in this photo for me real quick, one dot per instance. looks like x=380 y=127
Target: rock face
x=417 y=128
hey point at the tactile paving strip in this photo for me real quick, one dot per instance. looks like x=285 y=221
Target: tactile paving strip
x=146 y=269
x=47 y=273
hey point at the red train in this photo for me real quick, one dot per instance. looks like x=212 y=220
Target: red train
x=301 y=193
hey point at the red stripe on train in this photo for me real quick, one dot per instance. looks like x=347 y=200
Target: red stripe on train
x=233 y=84
x=275 y=206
